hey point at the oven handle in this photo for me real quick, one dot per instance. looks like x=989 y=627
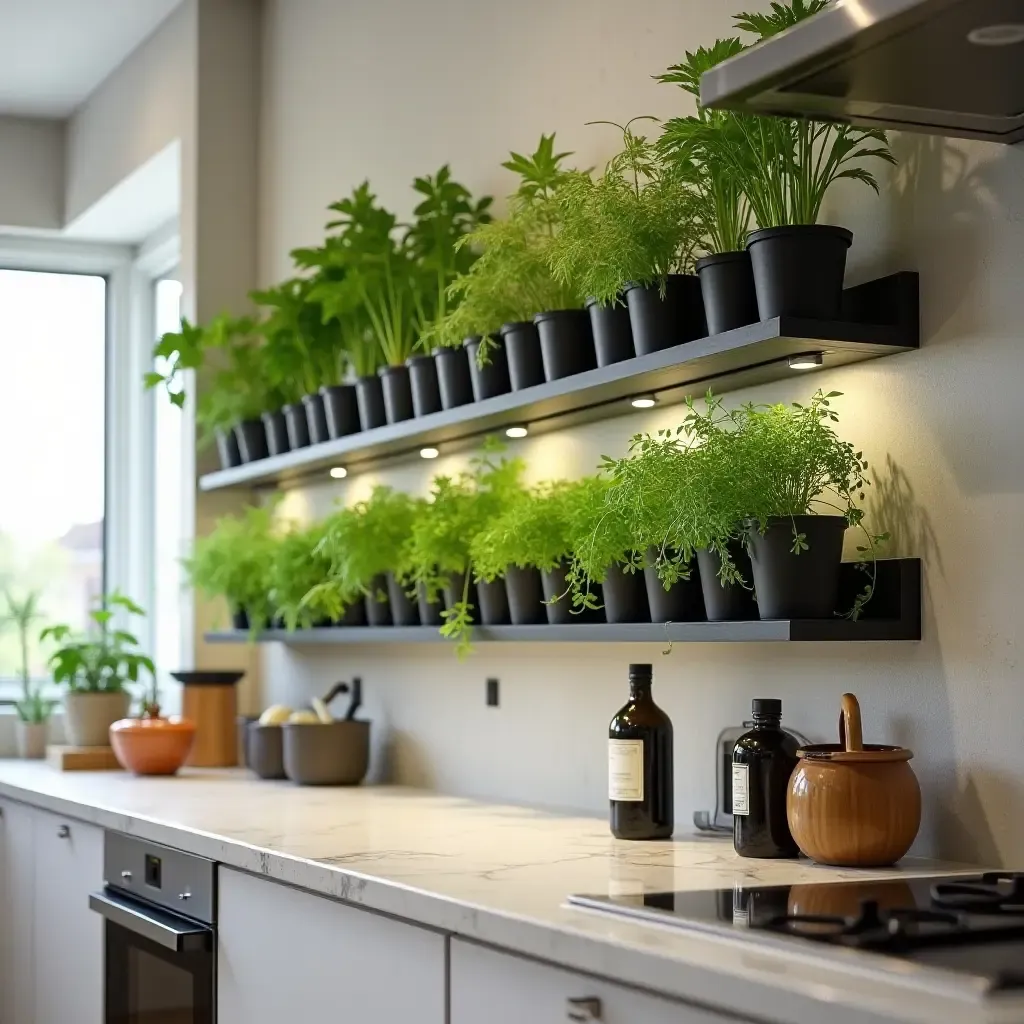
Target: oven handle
x=167 y=930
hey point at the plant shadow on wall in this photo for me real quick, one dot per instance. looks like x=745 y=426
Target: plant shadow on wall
x=892 y=504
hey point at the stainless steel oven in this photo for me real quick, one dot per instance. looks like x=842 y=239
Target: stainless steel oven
x=160 y=944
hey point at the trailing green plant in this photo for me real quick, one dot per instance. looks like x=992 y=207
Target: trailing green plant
x=359 y=544
x=103 y=659
x=234 y=561
x=22 y=614
x=635 y=222
x=512 y=280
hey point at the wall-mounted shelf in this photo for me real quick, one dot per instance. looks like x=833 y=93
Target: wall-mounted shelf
x=881 y=319
x=893 y=614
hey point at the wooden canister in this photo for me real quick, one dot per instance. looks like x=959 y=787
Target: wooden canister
x=209 y=699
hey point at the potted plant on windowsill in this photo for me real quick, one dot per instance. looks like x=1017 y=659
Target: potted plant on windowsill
x=96 y=666
x=33 y=709
x=634 y=227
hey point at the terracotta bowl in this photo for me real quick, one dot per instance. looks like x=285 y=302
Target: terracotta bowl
x=152 y=745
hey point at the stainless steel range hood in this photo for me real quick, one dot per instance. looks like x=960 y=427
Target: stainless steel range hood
x=946 y=67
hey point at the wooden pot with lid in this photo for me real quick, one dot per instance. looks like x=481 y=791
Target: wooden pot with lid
x=853 y=804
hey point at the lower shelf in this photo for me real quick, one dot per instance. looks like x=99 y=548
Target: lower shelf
x=893 y=614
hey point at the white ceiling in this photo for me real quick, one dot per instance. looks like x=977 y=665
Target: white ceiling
x=53 y=53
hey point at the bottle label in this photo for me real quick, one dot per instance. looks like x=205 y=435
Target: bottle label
x=626 y=770
x=740 y=793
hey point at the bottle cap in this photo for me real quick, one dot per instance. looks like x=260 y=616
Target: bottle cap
x=767 y=706
x=641 y=671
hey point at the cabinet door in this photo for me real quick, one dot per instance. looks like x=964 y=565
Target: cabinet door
x=500 y=988
x=286 y=955
x=17 y=874
x=68 y=940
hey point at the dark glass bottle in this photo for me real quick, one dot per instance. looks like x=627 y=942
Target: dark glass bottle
x=640 y=764
x=762 y=762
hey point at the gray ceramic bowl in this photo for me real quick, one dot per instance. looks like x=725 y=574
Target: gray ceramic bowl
x=334 y=754
x=263 y=753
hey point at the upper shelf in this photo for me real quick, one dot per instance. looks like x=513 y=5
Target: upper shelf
x=882 y=319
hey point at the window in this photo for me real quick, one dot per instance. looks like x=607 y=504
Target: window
x=53 y=370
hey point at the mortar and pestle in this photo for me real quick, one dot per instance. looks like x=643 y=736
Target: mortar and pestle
x=328 y=751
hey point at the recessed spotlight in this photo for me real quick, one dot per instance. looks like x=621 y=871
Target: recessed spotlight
x=339 y=472
x=646 y=402
x=516 y=432
x=1009 y=34
x=807 y=361
x=429 y=453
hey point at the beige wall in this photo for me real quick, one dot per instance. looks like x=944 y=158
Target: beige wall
x=31 y=173
x=390 y=89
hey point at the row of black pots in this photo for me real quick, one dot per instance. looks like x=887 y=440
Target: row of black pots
x=787 y=585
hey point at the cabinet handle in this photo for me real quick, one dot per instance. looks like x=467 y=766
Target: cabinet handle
x=63 y=832
x=583 y=1010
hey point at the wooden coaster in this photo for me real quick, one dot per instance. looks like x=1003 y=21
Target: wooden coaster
x=82 y=759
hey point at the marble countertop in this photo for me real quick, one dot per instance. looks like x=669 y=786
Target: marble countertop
x=500 y=875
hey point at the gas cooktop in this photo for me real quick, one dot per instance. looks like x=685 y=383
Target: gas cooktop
x=969 y=924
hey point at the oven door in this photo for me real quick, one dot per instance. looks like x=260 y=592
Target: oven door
x=159 y=966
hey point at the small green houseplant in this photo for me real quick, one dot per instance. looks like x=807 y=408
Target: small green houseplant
x=233 y=561
x=298 y=565
x=97 y=667
x=33 y=708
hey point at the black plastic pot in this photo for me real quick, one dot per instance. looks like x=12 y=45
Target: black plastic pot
x=252 y=440
x=316 y=418
x=492 y=378
x=378 y=603
x=404 y=611
x=240 y=619
x=799 y=270
x=566 y=342
x=227 y=449
x=733 y=603
x=494 y=610
x=682 y=602
x=453 y=378
x=797 y=586
x=625 y=596
x=277 y=432
x=727 y=285
x=659 y=322
x=370 y=400
x=430 y=611
x=397 y=393
x=522 y=348
x=354 y=615
x=341 y=410
x=613 y=337
x=554 y=585
x=525 y=596
x=426 y=391
x=454 y=589
x=297 y=425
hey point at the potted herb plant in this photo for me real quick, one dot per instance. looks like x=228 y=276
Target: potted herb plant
x=786 y=167
x=630 y=230
x=700 y=151
x=233 y=561
x=96 y=666
x=33 y=709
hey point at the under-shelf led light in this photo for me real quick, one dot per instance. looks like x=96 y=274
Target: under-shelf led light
x=807 y=361
x=645 y=402
x=429 y=453
x=339 y=472
x=1006 y=34
x=516 y=432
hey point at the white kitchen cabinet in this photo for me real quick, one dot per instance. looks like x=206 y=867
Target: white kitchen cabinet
x=68 y=939
x=17 y=875
x=285 y=955
x=500 y=988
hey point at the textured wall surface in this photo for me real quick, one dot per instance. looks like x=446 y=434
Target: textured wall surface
x=388 y=90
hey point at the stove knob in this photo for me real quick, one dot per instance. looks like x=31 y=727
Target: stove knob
x=186 y=895
x=126 y=876
x=583 y=1010
x=63 y=832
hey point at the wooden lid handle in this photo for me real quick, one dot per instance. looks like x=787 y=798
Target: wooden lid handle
x=851 y=736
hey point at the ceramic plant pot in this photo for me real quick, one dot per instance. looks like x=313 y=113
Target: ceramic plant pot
x=326 y=753
x=31 y=739
x=727 y=285
x=89 y=716
x=152 y=745
x=265 y=750
x=625 y=596
x=730 y=602
x=664 y=318
x=853 y=804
